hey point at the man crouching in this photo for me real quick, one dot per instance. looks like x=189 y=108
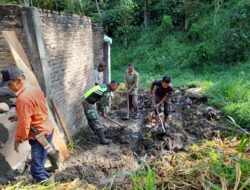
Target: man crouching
x=98 y=93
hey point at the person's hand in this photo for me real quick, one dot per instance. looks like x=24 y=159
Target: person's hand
x=12 y=118
x=126 y=85
x=151 y=95
x=157 y=106
x=16 y=146
x=104 y=115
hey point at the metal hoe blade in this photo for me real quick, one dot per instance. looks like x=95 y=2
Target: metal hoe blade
x=162 y=126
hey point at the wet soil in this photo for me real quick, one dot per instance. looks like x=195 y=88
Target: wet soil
x=190 y=121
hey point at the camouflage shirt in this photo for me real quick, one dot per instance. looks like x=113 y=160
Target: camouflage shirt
x=132 y=81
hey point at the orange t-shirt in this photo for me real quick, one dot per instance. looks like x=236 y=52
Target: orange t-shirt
x=31 y=111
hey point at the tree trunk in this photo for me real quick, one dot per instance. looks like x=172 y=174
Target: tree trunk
x=145 y=14
x=186 y=23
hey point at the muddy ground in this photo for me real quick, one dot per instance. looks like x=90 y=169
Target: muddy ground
x=190 y=121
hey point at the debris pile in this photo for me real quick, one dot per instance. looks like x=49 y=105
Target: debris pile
x=190 y=121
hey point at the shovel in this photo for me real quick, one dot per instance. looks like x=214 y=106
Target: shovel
x=162 y=126
x=127 y=117
x=112 y=120
x=157 y=111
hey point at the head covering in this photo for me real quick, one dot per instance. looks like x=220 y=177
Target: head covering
x=10 y=73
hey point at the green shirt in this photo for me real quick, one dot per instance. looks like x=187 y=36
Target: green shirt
x=132 y=81
x=99 y=93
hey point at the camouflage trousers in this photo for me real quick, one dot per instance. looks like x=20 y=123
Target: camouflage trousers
x=93 y=118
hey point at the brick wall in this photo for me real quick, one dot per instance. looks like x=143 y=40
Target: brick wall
x=69 y=45
x=97 y=43
x=72 y=46
x=10 y=19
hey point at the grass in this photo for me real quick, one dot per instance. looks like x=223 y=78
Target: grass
x=226 y=85
x=74 y=185
x=219 y=164
x=143 y=178
x=194 y=57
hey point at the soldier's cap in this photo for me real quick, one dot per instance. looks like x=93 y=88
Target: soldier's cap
x=10 y=73
x=115 y=82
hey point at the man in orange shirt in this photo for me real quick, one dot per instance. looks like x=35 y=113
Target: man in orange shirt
x=31 y=112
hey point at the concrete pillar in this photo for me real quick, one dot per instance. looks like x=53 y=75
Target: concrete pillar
x=36 y=45
x=107 y=58
x=107 y=75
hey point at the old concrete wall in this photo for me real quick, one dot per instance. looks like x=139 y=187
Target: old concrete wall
x=69 y=46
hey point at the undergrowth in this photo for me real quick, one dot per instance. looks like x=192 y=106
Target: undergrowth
x=74 y=185
x=217 y=164
x=227 y=86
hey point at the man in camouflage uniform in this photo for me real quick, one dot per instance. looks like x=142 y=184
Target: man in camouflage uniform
x=98 y=93
x=132 y=84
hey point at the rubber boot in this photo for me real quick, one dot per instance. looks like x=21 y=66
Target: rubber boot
x=136 y=116
x=50 y=181
x=165 y=123
x=93 y=129
x=103 y=140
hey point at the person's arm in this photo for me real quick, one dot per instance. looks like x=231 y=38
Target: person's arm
x=104 y=102
x=96 y=77
x=24 y=113
x=152 y=88
x=126 y=80
x=165 y=98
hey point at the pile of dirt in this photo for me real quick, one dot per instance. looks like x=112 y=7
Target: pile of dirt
x=97 y=164
x=190 y=121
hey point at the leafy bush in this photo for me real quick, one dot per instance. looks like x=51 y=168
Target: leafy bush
x=164 y=29
x=166 y=26
x=201 y=56
x=235 y=41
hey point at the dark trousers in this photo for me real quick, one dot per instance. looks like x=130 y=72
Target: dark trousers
x=165 y=105
x=133 y=102
x=38 y=158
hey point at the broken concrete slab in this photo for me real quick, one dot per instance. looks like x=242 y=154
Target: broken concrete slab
x=4 y=107
x=197 y=97
x=196 y=90
x=6 y=92
x=9 y=159
x=12 y=102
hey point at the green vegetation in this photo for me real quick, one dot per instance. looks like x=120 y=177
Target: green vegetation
x=74 y=185
x=212 y=53
x=217 y=164
x=205 y=43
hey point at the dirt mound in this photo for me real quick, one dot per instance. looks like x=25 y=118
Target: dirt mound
x=190 y=120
